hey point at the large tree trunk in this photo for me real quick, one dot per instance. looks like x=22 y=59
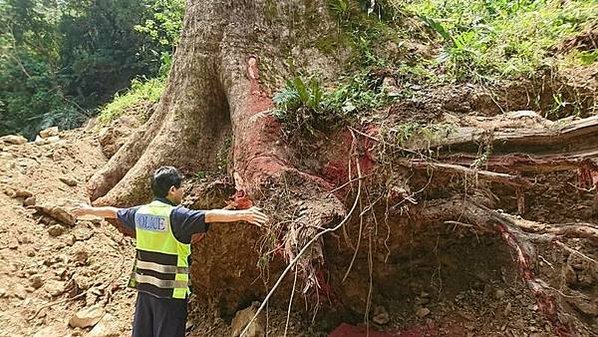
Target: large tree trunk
x=216 y=89
x=214 y=83
x=214 y=86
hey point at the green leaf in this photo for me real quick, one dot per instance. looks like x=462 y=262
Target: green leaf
x=438 y=28
x=301 y=89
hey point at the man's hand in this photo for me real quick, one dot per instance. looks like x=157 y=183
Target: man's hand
x=255 y=216
x=81 y=210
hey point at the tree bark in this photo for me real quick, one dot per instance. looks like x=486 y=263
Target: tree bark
x=214 y=83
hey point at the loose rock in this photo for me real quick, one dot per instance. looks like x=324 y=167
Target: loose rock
x=55 y=330
x=106 y=327
x=422 y=312
x=54 y=287
x=18 y=291
x=37 y=281
x=13 y=139
x=71 y=239
x=81 y=255
x=83 y=282
x=87 y=317
x=69 y=181
x=584 y=304
x=13 y=243
x=49 y=132
x=242 y=318
x=21 y=193
x=58 y=213
x=29 y=201
x=24 y=238
x=380 y=315
x=507 y=309
x=44 y=141
x=55 y=230
x=6 y=155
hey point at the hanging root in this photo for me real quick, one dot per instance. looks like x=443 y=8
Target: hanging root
x=292 y=238
x=525 y=256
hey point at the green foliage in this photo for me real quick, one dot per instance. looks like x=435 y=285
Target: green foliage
x=587 y=57
x=484 y=40
x=365 y=26
x=343 y=9
x=305 y=107
x=60 y=60
x=484 y=153
x=201 y=175
x=407 y=134
x=351 y=10
x=30 y=97
x=360 y=92
x=101 y=50
x=166 y=22
x=139 y=94
x=481 y=40
x=300 y=105
x=577 y=58
x=34 y=101
x=164 y=27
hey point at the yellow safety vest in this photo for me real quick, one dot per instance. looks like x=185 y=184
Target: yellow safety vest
x=161 y=265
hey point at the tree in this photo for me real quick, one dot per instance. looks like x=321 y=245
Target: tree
x=216 y=87
x=30 y=93
x=61 y=60
x=101 y=52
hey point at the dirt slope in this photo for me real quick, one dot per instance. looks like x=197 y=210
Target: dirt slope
x=89 y=260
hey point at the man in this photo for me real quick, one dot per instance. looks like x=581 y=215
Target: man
x=163 y=232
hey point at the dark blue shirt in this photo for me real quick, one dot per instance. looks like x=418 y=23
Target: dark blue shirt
x=184 y=222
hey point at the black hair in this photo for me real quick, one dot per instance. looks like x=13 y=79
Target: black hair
x=164 y=178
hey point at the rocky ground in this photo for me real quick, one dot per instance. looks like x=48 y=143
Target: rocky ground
x=52 y=266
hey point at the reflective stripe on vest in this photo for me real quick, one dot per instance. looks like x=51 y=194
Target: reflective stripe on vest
x=161 y=266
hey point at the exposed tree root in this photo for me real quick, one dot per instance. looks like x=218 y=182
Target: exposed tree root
x=520 y=236
x=538 y=149
x=572 y=137
x=303 y=250
x=496 y=177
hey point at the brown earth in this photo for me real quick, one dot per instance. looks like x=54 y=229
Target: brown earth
x=87 y=263
x=436 y=280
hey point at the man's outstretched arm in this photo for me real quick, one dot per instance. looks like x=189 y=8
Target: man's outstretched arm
x=103 y=212
x=252 y=215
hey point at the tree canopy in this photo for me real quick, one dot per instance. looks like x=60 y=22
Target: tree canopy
x=60 y=60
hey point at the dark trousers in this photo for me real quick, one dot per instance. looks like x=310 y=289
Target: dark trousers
x=159 y=317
